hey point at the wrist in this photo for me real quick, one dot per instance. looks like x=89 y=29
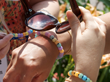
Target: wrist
x=65 y=40
x=47 y=46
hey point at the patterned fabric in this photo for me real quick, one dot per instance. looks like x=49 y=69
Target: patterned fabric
x=14 y=17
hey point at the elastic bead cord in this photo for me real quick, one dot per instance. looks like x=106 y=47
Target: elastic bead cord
x=79 y=75
x=50 y=36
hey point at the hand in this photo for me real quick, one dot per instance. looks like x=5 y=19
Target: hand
x=4 y=44
x=88 y=43
x=32 y=61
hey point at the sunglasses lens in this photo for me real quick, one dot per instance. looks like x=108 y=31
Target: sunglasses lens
x=63 y=27
x=41 y=22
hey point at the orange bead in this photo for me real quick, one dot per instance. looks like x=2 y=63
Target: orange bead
x=76 y=74
x=24 y=34
x=73 y=73
x=56 y=42
x=69 y=74
x=61 y=51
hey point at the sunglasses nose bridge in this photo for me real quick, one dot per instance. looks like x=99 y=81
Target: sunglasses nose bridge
x=58 y=24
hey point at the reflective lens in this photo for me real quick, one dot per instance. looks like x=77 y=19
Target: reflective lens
x=63 y=27
x=41 y=22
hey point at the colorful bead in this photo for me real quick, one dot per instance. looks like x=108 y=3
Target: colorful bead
x=51 y=37
x=88 y=80
x=70 y=72
x=60 y=48
x=58 y=45
x=16 y=35
x=27 y=33
x=76 y=74
x=54 y=40
x=22 y=34
x=61 y=51
x=84 y=77
x=80 y=75
x=73 y=73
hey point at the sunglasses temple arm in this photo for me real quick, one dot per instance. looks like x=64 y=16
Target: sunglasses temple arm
x=75 y=7
x=27 y=7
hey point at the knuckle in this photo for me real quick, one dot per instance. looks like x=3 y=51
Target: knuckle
x=5 y=79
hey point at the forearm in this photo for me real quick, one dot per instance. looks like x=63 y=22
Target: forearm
x=106 y=19
x=51 y=6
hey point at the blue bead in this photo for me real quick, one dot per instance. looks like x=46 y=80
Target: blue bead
x=84 y=78
x=31 y=31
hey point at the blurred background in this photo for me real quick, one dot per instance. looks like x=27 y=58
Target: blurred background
x=62 y=66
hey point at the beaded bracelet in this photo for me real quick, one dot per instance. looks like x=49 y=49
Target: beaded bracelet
x=47 y=34
x=60 y=48
x=79 y=75
x=19 y=35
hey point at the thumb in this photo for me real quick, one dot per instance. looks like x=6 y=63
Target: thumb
x=5 y=40
x=73 y=21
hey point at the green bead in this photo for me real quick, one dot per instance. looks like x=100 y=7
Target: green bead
x=88 y=80
x=70 y=72
x=51 y=37
x=80 y=75
x=36 y=35
x=58 y=45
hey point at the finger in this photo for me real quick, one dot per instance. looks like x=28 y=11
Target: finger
x=11 y=75
x=4 y=50
x=73 y=21
x=2 y=34
x=102 y=24
x=42 y=77
x=87 y=18
x=5 y=40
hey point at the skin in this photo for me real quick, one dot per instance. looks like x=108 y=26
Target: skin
x=20 y=68
x=88 y=43
x=32 y=61
x=4 y=44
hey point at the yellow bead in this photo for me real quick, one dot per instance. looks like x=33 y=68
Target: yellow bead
x=16 y=35
x=26 y=33
x=76 y=74
x=90 y=80
x=56 y=42
x=69 y=74
x=61 y=51
x=73 y=73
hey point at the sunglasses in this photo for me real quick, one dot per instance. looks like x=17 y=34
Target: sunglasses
x=42 y=21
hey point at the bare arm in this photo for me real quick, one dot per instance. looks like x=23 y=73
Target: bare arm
x=106 y=19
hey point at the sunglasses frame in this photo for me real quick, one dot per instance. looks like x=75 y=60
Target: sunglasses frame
x=31 y=13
